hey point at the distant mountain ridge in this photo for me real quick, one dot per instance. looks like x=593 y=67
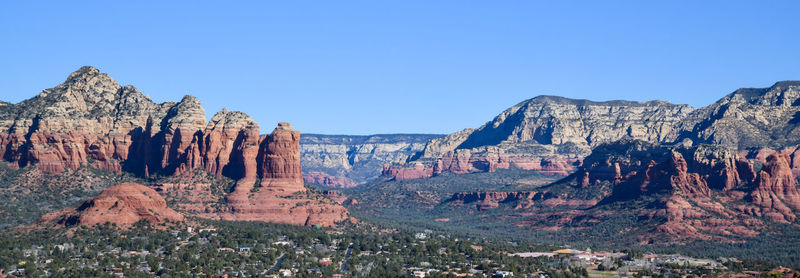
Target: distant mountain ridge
x=350 y=160
x=552 y=134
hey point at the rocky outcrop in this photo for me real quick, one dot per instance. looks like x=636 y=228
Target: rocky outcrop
x=348 y=160
x=123 y=204
x=776 y=190
x=280 y=195
x=92 y=120
x=662 y=177
x=695 y=192
x=230 y=145
x=279 y=160
x=723 y=168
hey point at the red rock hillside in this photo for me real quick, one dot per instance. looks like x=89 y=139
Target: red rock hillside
x=123 y=204
x=705 y=192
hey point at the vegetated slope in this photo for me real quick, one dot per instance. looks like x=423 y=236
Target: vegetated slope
x=31 y=192
x=420 y=199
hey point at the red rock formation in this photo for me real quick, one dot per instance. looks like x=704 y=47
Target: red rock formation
x=279 y=160
x=663 y=177
x=776 y=191
x=123 y=204
x=416 y=171
x=327 y=180
x=230 y=145
x=91 y=118
x=265 y=206
x=280 y=197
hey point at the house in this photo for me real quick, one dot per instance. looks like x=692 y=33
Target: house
x=285 y=272
x=502 y=274
x=244 y=249
x=420 y=273
x=326 y=261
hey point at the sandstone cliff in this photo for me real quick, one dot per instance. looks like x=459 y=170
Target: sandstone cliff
x=90 y=120
x=776 y=190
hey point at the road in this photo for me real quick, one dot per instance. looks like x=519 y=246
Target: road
x=277 y=263
x=346 y=257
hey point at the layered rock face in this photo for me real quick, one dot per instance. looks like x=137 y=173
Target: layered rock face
x=563 y=131
x=280 y=196
x=90 y=119
x=776 y=190
x=230 y=145
x=750 y=118
x=548 y=134
x=346 y=161
x=280 y=160
x=699 y=192
x=123 y=204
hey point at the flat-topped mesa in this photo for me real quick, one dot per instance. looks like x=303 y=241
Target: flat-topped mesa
x=279 y=160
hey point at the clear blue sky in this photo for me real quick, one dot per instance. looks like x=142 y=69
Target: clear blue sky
x=363 y=67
